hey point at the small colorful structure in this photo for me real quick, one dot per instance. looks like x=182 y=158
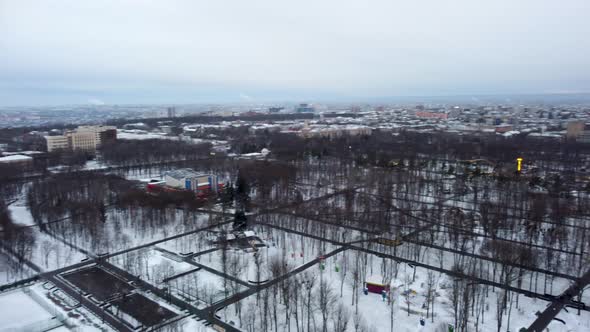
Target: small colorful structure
x=186 y=180
x=374 y=284
x=322 y=260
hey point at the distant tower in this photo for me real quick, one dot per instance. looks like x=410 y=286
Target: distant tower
x=171 y=112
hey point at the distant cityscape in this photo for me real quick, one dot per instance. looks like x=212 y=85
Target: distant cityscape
x=560 y=106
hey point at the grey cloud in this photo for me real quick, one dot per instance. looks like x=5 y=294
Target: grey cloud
x=361 y=48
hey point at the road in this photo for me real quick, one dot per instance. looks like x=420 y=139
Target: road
x=191 y=261
x=240 y=296
x=559 y=303
x=410 y=240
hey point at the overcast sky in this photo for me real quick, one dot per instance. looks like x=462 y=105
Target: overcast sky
x=167 y=51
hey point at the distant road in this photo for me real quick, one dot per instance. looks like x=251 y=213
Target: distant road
x=559 y=303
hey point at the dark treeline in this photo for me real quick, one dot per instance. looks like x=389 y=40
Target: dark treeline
x=18 y=239
x=382 y=147
x=72 y=160
x=68 y=194
x=19 y=138
x=139 y=197
x=122 y=153
x=132 y=152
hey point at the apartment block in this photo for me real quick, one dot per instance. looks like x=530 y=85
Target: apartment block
x=86 y=138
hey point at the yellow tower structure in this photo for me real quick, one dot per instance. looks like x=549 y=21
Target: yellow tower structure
x=518 y=164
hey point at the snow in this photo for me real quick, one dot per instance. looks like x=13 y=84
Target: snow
x=93 y=165
x=142 y=136
x=377 y=312
x=60 y=329
x=50 y=254
x=31 y=309
x=7 y=273
x=297 y=251
x=191 y=324
x=12 y=314
x=191 y=243
x=203 y=288
x=79 y=318
x=20 y=214
x=124 y=230
x=374 y=279
x=154 y=267
x=15 y=158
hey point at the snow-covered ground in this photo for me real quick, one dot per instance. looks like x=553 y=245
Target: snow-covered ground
x=39 y=308
x=377 y=312
x=20 y=310
x=152 y=265
x=203 y=288
x=46 y=253
x=19 y=212
x=191 y=324
x=124 y=229
x=11 y=271
x=191 y=243
x=128 y=228
x=94 y=165
x=293 y=249
x=141 y=136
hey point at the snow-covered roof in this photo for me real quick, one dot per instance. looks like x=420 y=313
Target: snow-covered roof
x=25 y=153
x=15 y=158
x=374 y=279
x=511 y=132
x=249 y=233
x=184 y=173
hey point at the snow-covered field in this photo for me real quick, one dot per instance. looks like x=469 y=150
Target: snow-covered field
x=19 y=310
x=141 y=136
x=293 y=241
x=8 y=272
x=20 y=213
x=293 y=249
x=151 y=264
x=39 y=308
x=378 y=313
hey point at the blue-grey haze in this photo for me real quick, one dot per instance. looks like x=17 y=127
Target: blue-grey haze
x=173 y=51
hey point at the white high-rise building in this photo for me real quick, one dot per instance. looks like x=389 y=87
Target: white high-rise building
x=87 y=138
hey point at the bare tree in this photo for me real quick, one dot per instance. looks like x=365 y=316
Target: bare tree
x=308 y=281
x=325 y=302
x=340 y=318
x=360 y=323
x=431 y=284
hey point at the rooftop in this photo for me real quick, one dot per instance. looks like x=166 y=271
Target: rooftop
x=14 y=158
x=184 y=173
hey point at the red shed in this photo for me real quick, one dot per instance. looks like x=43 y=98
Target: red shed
x=375 y=284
